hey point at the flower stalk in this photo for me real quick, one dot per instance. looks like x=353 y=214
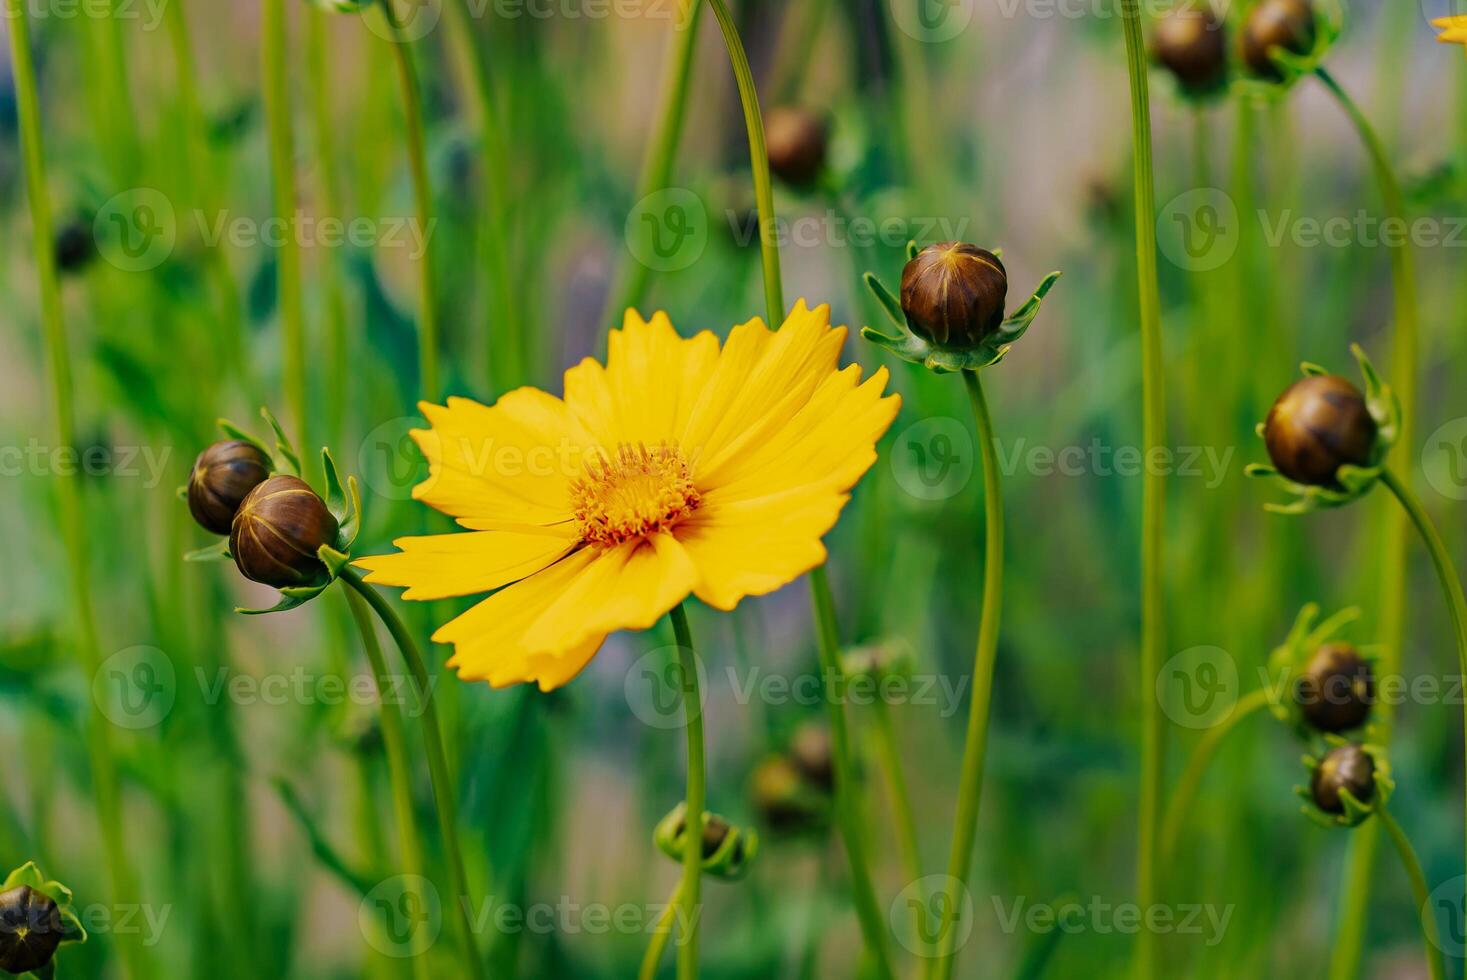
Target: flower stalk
x=690 y=888
x=1419 y=892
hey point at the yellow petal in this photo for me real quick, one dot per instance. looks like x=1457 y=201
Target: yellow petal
x=513 y=462
x=440 y=566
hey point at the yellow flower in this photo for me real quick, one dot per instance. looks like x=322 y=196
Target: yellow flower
x=677 y=468
x=1453 y=30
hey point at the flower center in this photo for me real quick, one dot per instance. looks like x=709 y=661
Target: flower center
x=635 y=492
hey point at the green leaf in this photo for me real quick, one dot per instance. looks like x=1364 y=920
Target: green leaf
x=218 y=551
x=889 y=303
x=283 y=444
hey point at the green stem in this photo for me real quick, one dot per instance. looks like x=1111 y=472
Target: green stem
x=1420 y=892
x=688 y=898
x=873 y=926
x=758 y=162
x=273 y=43
x=412 y=111
x=443 y=796
x=1187 y=786
x=101 y=757
x=1154 y=492
x=1345 y=960
x=631 y=282
x=394 y=743
x=661 y=932
x=890 y=761
x=975 y=745
x=318 y=62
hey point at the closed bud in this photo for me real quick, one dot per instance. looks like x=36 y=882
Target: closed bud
x=1286 y=25
x=1191 y=43
x=1344 y=768
x=783 y=800
x=795 y=140
x=279 y=529
x=30 y=929
x=1318 y=425
x=812 y=754
x=1337 y=688
x=953 y=294
x=222 y=477
x=75 y=246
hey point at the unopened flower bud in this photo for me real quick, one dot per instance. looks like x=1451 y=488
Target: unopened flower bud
x=1287 y=25
x=222 y=477
x=783 y=800
x=279 y=529
x=30 y=929
x=1191 y=43
x=812 y=754
x=1337 y=688
x=953 y=294
x=795 y=140
x=1318 y=425
x=1346 y=767
x=75 y=246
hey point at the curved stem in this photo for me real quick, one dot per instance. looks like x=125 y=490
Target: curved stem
x=1419 y=891
x=890 y=761
x=394 y=743
x=1187 y=786
x=975 y=747
x=758 y=161
x=100 y=752
x=278 y=104
x=661 y=931
x=631 y=281
x=688 y=899
x=443 y=796
x=1154 y=492
x=412 y=113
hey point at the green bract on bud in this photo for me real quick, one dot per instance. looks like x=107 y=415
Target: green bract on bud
x=278 y=531
x=1318 y=425
x=222 y=477
x=1337 y=688
x=1191 y=43
x=30 y=929
x=795 y=140
x=953 y=294
x=728 y=851
x=1277 y=25
x=1344 y=769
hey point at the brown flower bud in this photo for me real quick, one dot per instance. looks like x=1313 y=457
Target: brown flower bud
x=795 y=140
x=75 y=246
x=1284 y=24
x=780 y=797
x=811 y=752
x=1337 y=688
x=953 y=294
x=1191 y=43
x=715 y=832
x=222 y=477
x=1318 y=425
x=1347 y=767
x=278 y=530
x=30 y=929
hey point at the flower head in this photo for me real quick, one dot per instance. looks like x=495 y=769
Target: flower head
x=1453 y=30
x=677 y=468
x=1347 y=784
x=36 y=918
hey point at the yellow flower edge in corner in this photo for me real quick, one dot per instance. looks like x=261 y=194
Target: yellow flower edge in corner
x=1453 y=30
x=678 y=468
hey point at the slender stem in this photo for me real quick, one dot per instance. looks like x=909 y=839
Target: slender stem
x=394 y=743
x=758 y=162
x=1420 y=892
x=631 y=280
x=273 y=43
x=687 y=953
x=661 y=931
x=412 y=112
x=975 y=746
x=1345 y=959
x=890 y=761
x=437 y=764
x=100 y=751
x=318 y=62
x=873 y=926
x=1187 y=786
x=1154 y=492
